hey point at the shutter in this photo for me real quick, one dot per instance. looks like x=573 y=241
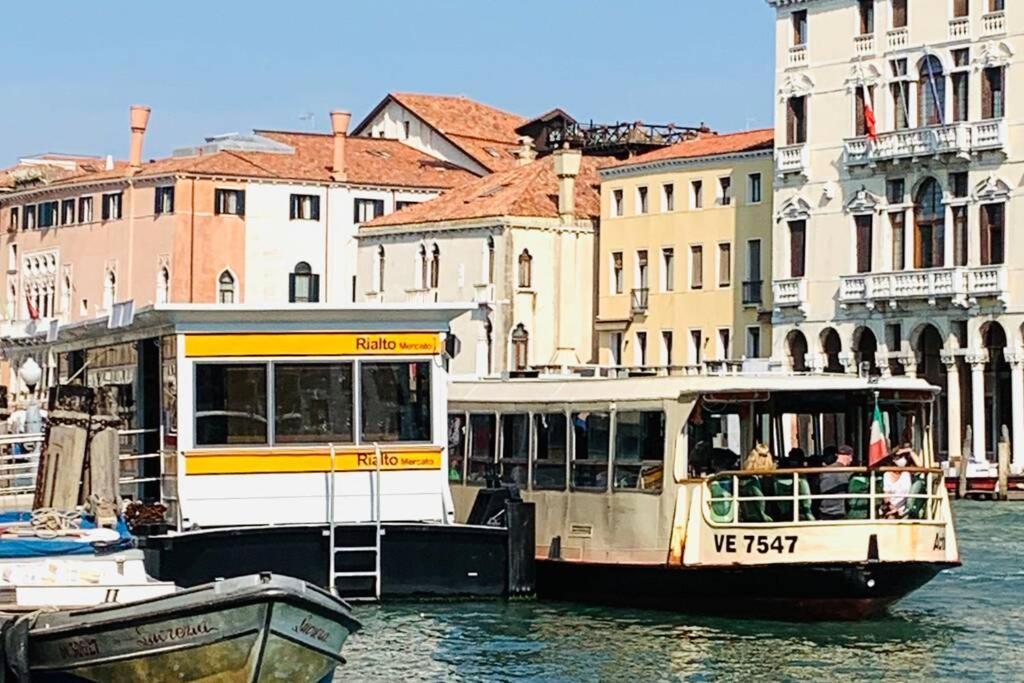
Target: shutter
x=316 y=208
x=863 y=243
x=314 y=288
x=861 y=124
x=899 y=13
x=293 y=206
x=986 y=237
x=241 y=202
x=291 y=288
x=218 y=202
x=797 y=240
x=960 y=8
x=986 y=94
x=156 y=201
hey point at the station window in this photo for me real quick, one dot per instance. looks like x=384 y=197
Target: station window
x=395 y=401
x=456 y=446
x=231 y=406
x=515 y=448
x=313 y=403
x=639 y=450
x=549 y=465
x=591 y=433
x=482 y=438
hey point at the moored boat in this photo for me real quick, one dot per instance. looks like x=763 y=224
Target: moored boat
x=641 y=499
x=252 y=628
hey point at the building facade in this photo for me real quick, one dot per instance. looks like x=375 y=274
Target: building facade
x=519 y=243
x=685 y=253
x=898 y=158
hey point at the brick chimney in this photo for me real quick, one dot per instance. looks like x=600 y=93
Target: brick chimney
x=339 y=126
x=567 y=167
x=139 y=119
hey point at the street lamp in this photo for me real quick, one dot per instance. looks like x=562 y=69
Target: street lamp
x=30 y=373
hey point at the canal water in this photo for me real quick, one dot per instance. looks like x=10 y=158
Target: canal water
x=964 y=625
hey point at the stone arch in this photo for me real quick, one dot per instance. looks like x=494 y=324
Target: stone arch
x=796 y=351
x=994 y=340
x=831 y=348
x=864 y=346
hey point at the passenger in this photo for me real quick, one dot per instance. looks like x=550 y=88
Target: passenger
x=834 y=484
x=897 y=485
x=796 y=458
x=759 y=459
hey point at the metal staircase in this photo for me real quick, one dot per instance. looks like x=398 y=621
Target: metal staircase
x=354 y=549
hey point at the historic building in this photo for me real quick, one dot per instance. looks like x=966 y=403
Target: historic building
x=519 y=243
x=685 y=253
x=898 y=158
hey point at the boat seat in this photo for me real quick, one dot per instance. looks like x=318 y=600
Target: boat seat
x=916 y=506
x=721 y=503
x=858 y=508
x=784 y=487
x=752 y=510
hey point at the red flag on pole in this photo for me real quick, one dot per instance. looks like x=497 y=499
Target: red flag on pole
x=869 y=119
x=33 y=312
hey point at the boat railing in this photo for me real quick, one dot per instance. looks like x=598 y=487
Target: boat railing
x=792 y=496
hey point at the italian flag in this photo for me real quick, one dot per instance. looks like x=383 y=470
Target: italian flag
x=878 y=448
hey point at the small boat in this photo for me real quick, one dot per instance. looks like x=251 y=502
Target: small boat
x=261 y=627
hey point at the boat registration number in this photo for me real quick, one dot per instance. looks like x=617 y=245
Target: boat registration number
x=752 y=543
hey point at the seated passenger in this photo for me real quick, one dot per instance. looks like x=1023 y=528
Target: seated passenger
x=897 y=485
x=835 y=483
x=759 y=459
x=795 y=458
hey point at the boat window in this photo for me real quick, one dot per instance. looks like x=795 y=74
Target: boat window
x=313 y=403
x=456 y=446
x=713 y=442
x=639 y=450
x=395 y=401
x=515 y=448
x=482 y=437
x=549 y=467
x=231 y=404
x=591 y=432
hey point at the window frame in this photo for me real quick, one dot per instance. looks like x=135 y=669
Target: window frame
x=755 y=181
x=160 y=195
x=573 y=486
x=640 y=463
x=297 y=206
x=220 y=203
x=110 y=201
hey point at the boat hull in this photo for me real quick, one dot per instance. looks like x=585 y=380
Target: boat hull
x=825 y=591
x=279 y=629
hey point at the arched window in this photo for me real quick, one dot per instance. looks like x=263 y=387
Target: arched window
x=109 y=290
x=226 y=288
x=525 y=269
x=380 y=268
x=490 y=261
x=303 y=285
x=929 y=226
x=424 y=274
x=931 y=92
x=520 y=347
x=435 y=266
x=163 y=286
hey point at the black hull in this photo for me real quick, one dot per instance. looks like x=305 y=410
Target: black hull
x=839 y=591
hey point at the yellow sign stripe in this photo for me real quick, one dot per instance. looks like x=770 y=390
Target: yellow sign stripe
x=277 y=462
x=313 y=344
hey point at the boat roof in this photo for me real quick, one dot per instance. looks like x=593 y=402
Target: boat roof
x=574 y=389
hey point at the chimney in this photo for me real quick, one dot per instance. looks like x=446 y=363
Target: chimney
x=567 y=167
x=525 y=153
x=139 y=121
x=339 y=126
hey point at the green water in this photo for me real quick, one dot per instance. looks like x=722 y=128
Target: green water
x=965 y=625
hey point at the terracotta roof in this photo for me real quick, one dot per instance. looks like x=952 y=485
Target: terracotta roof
x=706 y=146
x=529 y=191
x=483 y=132
x=370 y=161
x=30 y=172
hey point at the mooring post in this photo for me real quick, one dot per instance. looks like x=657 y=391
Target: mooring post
x=1003 y=453
x=965 y=458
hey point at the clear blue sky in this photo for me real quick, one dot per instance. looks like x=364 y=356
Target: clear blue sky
x=71 y=69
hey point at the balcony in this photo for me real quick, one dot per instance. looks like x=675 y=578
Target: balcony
x=791 y=293
x=993 y=23
x=798 y=55
x=752 y=292
x=960 y=28
x=933 y=141
x=791 y=159
x=639 y=301
x=421 y=296
x=864 y=46
x=960 y=285
x=897 y=39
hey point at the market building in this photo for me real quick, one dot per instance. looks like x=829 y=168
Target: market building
x=898 y=150
x=685 y=253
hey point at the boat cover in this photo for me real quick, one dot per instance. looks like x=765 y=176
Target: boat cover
x=48 y=547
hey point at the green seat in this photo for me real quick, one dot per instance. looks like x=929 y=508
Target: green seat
x=916 y=506
x=752 y=510
x=858 y=508
x=721 y=502
x=784 y=487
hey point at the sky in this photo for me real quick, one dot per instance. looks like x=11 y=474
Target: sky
x=223 y=66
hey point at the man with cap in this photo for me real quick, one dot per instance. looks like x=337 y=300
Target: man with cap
x=835 y=483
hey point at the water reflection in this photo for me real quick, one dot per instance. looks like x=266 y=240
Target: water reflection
x=953 y=628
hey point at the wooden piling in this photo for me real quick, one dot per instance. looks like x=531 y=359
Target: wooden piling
x=1003 y=455
x=965 y=458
